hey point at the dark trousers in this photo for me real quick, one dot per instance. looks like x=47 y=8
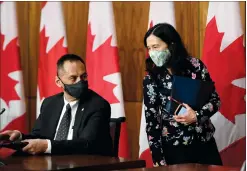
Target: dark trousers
x=197 y=152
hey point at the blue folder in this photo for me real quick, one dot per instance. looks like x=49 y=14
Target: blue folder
x=196 y=93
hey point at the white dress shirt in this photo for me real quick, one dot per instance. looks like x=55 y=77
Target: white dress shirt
x=74 y=106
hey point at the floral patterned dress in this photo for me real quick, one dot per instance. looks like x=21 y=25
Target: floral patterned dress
x=161 y=130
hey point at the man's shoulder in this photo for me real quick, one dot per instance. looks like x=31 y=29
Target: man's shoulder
x=96 y=99
x=53 y=98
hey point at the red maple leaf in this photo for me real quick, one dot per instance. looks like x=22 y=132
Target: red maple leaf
x=9 y=62
x=47 y=70
x=43 y=4
x=101 y=62
x=151 y=24
x=224 y=68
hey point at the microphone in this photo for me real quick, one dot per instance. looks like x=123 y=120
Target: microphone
x=2 y=111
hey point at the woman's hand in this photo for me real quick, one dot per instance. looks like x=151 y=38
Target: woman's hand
x=187 y=118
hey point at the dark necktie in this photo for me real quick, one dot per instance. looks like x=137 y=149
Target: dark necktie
x=63 y=130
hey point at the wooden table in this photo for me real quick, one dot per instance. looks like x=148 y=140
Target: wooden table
x=189 y=167
x=71 y=162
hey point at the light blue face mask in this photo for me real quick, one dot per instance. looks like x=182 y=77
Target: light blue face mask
x=160 y=57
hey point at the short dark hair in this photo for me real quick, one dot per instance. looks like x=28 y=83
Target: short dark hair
x=68 y=57
x=170 y=36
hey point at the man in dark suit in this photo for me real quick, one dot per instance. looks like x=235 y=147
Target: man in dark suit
x=75 y=121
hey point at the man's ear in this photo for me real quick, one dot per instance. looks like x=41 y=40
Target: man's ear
x=58 y=82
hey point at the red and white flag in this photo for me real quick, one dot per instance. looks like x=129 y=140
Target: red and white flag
x=53 y=44
x=103 y=64
x=224 y=56
x=11 y=83
x=159 y=12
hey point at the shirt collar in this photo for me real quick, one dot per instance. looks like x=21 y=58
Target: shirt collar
x=72 y=104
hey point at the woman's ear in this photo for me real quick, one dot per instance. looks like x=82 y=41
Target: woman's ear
x=172 y=47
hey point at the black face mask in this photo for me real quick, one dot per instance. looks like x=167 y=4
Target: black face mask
x=76 y=90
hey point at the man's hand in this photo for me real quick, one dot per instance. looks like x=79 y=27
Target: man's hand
x=188 y=117
x=35 y=146
x=11 y=135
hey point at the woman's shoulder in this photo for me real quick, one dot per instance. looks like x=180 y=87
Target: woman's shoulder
x=147 y=79
x=195 y=61
x=197 y=64
x=150 y=80
x=199 y=69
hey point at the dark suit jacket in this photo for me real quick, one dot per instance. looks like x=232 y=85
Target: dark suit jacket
x=91 y=134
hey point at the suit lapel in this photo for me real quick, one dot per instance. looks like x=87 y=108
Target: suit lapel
x=55 y=115
x=79 y=117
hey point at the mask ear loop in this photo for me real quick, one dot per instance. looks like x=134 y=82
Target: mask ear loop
x=61 y=81
x=59 y=78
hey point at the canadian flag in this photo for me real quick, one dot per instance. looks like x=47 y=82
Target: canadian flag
x=102 y=64
x=159 y=12
x=224 y=56
x=11 y=84
x=53 y=45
